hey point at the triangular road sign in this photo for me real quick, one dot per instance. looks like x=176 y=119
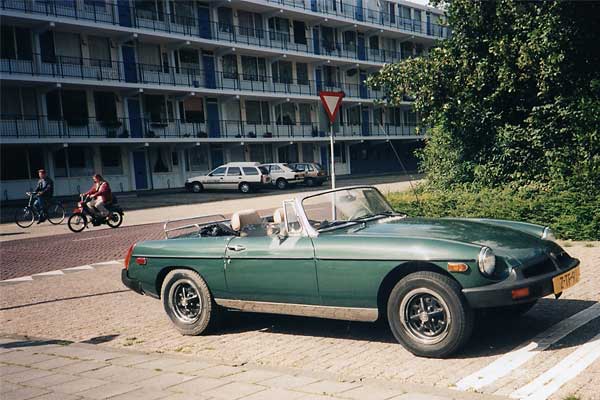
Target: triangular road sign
x=331 y=101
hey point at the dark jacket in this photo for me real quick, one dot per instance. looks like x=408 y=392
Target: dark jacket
x=45 y=188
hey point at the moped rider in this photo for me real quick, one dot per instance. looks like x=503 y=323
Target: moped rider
x=100 y=195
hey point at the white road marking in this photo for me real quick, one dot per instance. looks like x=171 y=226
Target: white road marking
x=514 y=359
x=550 y=381
x=79 y=268
x=107 y=262
x=19 y=279
x=50 y=273
x=92 y=238
x=61 y=271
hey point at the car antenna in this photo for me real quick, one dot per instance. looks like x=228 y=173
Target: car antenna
x=410 y=177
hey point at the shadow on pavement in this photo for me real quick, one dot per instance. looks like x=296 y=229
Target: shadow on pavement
x=64 y=299
x=100 y=339
x=32 y=343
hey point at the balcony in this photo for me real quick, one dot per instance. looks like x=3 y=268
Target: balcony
x=122 y=129
x=161 y=75
x=131 y=16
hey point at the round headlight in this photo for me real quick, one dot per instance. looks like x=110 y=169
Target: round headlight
x=486 y=261
x=547 y=234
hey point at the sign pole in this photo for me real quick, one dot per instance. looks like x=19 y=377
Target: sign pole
x=331 y=102
x=332 y=155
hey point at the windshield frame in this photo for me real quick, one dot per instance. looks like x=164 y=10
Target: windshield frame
x=313 y=232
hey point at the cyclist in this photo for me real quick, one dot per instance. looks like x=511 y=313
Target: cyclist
x=44 y=192
x=100 y=195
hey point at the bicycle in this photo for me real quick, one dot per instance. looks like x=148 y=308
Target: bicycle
x=25 y=216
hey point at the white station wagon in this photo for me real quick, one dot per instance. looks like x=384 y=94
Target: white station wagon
x=243 y=176
x=282 y=175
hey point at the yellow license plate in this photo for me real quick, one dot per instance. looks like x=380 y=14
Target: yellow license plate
x=566 y=280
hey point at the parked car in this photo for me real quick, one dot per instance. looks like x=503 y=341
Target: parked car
x=282 y=175
x=346 y=254
x=243 y=176
x=314 y=174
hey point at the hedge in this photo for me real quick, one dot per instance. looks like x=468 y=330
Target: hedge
x=573 y=215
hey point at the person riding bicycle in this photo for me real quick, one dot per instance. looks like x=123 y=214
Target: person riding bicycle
x=100 y=195
x=44 y=192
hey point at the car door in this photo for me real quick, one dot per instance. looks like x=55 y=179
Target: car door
x=215 y=179
x=233 y=178
x=273 y=268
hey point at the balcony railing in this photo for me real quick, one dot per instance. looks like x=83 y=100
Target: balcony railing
x=36 y=127
x=192 y=78
x=136 y=17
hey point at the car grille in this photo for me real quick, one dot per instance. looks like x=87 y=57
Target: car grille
x=541 y=267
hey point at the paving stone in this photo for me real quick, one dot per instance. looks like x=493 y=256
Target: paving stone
x=133 y=359
x=275 y=394
x=220 y=371
x=131 y=375
x=288 y=381
x=370 y=392
x=56 y=362
x=234 y=390
x=23 y=357
x=328 y=387
x=26 y=375
x=80 y=367
x=165 y=379
x=108 y=390
x=8 y=386
x=189 y=367
x=58 y=396
x=105 y=372
x=420 y=396
x=198 y=386
x=50 y=380
x=254 y=376
x=78 y=385
x=318 y=397
x=143 y=394
x=160 y=364
x=11 y=369
x=23 y=393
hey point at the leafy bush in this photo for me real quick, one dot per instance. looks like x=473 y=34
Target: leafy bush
x=571 y=214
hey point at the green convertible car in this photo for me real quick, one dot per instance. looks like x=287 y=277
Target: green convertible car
x=346 y=254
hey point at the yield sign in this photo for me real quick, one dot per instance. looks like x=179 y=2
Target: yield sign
x=331 y=102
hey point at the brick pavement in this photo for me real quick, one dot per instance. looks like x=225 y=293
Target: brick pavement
x=50 y=369
x=93 y=306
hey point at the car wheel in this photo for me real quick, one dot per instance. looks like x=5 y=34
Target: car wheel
x=282 y=183
x=310 y=182
x=188 y=302
x=245 y=187
x=428 y=314
x=196 y=187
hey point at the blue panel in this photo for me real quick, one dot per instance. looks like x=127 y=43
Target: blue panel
x=135 y=118
x=129 y=64
x=392 y=12
x=141 y=172
x=363 y=86
x=313 y=5
x=360 y=42
x=216 y=155
x=209 y=71
x=324 y=156
x=429 y=30
x=316 y=41
x=366 y=131
x=359 y=10
x=204 y=22
x=318 y=80
x=212 y=117
x=124 y=13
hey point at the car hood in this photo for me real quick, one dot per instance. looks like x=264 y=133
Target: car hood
x=506 y=242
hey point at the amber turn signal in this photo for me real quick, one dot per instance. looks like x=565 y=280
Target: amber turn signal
x=520 y=293
x=458 y=267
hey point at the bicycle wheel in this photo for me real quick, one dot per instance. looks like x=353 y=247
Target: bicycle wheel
x=24 y=217
x=56 y=213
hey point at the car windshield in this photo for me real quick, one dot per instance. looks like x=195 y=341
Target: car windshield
x=345 y=206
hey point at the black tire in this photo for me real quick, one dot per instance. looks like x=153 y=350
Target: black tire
x=310 y=182
x=77 y=222
x=24 y=217
x=55 y=213
x=188 y=317
x=196 y=187
x=114 y=220
x=281 y=183
x=245 y=187
x=443 y=299
x=320 y=183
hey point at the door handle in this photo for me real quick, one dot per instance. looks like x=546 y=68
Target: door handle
x=237 y=247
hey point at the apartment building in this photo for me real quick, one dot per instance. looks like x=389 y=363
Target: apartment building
x=150 y=92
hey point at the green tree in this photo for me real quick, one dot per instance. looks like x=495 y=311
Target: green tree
x=513 y=95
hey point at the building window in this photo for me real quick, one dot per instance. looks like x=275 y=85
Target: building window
x=192 y=110
x=68 y=47
x=18 y=103
x=411 y=118
x=251 y=24
x=73 y=161
x=374 y=42
x=350 y=40
x=18 y=162
x=225 y=16
x=304 y=111
x=353 y=116
x=339 y=153
x=279 y=29
x=257 y=112
x=302 y=73
x=308 y=155
x=105 y=105
x=328 y=38
x=183 y=13
x=254 y=68
x=111 y=160
x=16 y=43
x=285 y=114
x=99 y=48
x=300 y=32
x=155 y=108
x=282 y=72
x=67 y=105
x=159 y=158
x=197 y=159
x=230 y=68
x=150 y=9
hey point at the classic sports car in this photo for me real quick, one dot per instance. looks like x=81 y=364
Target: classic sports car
x=346 y=254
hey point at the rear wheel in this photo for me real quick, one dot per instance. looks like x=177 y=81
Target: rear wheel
x=245 y=187
x=115 y=219
x=428 y=314
x=24 y=217
x=56 y=213
x=281 y=183
x=310 y=182
x=77 y=222
x=197 y=187
x=188 y=302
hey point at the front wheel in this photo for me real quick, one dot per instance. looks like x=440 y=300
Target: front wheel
x=115 y=219
x=245 y=187
x=56 y=214
x=428 y=314
x=281 y=183
x=196 y=187
x=24 y=217
x=310 y=182
x=188 y=302
x=77 y=222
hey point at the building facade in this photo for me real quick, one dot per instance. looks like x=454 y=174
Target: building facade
x=148 y=93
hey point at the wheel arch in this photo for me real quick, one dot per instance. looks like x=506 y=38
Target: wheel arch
x=399 y=272
x=162 y=274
